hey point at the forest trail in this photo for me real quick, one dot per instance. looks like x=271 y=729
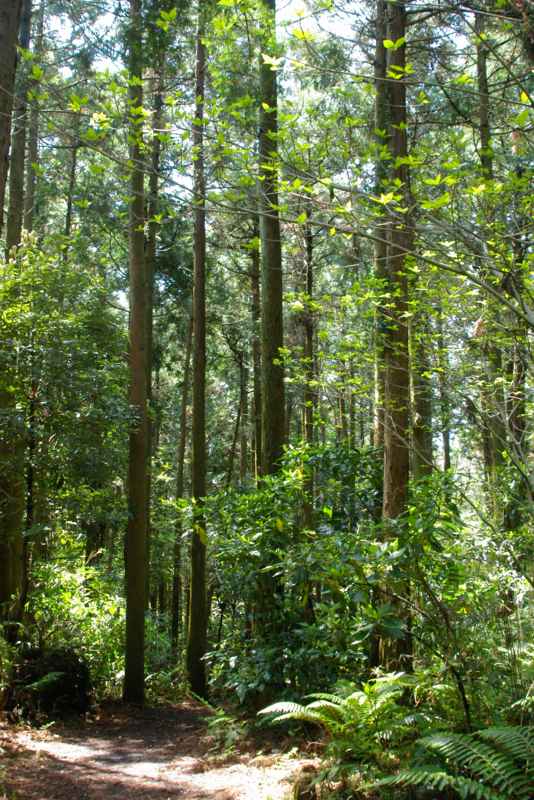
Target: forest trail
x=151 y=754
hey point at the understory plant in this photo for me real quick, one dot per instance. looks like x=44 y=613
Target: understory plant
x=492 y=764
x=367 y=725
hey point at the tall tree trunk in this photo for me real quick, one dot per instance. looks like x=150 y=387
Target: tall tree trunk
x=197 y=633
x=397 y=385
x=273 y=402
x=10 y=11
x=135 y=550
x=380 y=244
x=310 y=391
x=397 y=376
x=176 y=603
x=275 y=414
x=150 y=257
x=492 y=395
x=12 y=430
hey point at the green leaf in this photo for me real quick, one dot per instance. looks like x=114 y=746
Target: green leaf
x=439 y=202
x=389 y=44
x=302 y=35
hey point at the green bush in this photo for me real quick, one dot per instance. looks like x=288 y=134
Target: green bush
x=79 y=609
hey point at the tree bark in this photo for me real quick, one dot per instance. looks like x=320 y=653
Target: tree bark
x=396 y=654
x=444 y=400
x=492 y=395
x=12 y=447
x=32 y=161
x=256 y=346
x=151 y=247
x=421 y=396
x=310 y=392
x=197 y=633
x=272 y=340
x=397 y=377
x=15 y=212
x=135 y=550
x=380 y=244
x=244 y=420
x=176 y=603
x=10 y=11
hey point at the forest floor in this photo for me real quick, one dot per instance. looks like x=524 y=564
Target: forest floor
x=124 y=753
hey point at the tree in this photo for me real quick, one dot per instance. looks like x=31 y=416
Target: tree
x=10 y=11
x=136 y=536
x=11 y=438
x=273 y=403
x=198 y=614
x=396 y=358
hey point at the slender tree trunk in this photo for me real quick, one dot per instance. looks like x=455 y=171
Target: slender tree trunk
x=135 y=550
x=233 y=447
x=273 y=401
x=256 y=347
x=197 y=633
x=32 y=161
x=343 y=419
x=176 y=604
x=380 y=245
x=70 y=191
x=309 y=366
x=150 y=257
x=244 y=420
x=444 y=401
x=15 y=212
x=421 y=396
x=492 y=395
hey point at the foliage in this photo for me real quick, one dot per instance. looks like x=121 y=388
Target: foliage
x=76 y=608
x=367 y=726
x=452 y=574
x=491 y=764
x=226 y=732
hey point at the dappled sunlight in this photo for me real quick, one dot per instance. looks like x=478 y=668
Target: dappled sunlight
x=157 y=754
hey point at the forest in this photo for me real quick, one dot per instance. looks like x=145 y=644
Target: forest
x=266 y=393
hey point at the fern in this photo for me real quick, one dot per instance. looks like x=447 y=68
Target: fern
x=360 y=725
x=493 y=764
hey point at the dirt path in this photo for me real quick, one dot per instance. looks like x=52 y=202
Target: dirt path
x=152 y=754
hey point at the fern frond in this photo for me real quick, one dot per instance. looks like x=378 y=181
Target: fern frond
x=439 y=780
x=480 y=759
x=516 y=741
x=332 y=710
x=331 y=698
x=282 y=708
x=284 y=711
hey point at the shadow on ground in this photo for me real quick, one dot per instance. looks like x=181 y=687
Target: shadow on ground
x=126 y=753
